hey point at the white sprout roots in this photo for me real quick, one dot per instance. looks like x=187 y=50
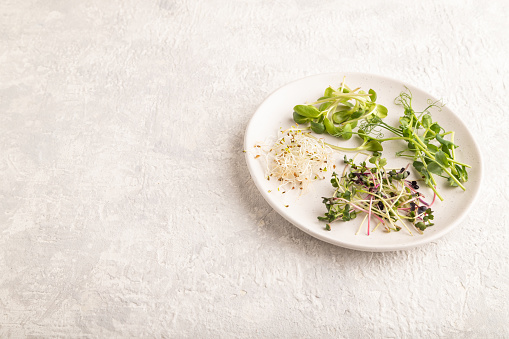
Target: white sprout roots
x=296 y=159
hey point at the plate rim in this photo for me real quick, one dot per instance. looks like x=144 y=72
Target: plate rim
x=363 y=247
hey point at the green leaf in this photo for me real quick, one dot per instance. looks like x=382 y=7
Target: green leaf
x=426 y=120
x=373 y=95
x=406 y=131
x=419 y=166
x=317 y=127
x=425 y=174
x=373 y=146
x=328 y=92
x=433 y=167
x=347 y=132
x=420 y=225
x=382 y=162
x=447 y=151
x=441 y=158
x=329 y=127
x=347 y=195
x=404 y=121
x=308 y=111
x=451 y=182
x=435 y=128
x=324 y=106
x=381 y=111
x=362 y=134
x=444 y=142
x=343 y=108
x=334 y=182
x=462 y=173
x=340 y=116
x=357 y=114
x=369 y=106
x=299 y=118
x=346 y=214
x=432 y=148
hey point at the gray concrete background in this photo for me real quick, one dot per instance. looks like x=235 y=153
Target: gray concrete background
x=126 y=207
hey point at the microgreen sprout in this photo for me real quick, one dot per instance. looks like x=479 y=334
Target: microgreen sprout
x=426 y=143
x=296 y=159
x=386 y=195
x=344 y=112
x=339 y=111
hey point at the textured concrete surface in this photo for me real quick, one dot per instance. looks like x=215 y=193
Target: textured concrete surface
x=126 y=207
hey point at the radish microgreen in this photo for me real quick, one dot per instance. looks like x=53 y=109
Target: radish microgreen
x=383 y=194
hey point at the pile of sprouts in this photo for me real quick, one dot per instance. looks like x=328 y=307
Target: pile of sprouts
x=297 y=159
x=386 y=195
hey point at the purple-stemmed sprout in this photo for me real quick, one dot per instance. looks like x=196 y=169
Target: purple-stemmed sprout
x=386 y=195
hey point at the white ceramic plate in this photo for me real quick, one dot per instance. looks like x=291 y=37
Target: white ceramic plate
x=302 y=211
